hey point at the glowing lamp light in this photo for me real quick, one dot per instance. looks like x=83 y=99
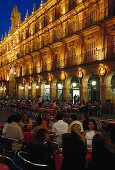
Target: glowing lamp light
x=29 y=87
x=50 y=78
x=93 y=83
x=37 y=86
x=14 y=72
x=74 y=84
x=60 y=86
x=47 y=86
x=2 y=89
x=22 y=87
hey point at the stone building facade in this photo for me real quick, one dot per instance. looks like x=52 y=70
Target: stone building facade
x=65 y=47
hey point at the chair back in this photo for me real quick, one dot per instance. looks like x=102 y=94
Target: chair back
x=103 y=124
x=9 y=163
x=6 y=146
x=26 y=164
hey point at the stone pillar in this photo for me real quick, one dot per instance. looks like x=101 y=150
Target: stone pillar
x=53 y=90
x=66 y=90
x=80 y=89
x=43 y=89
x=102 y=90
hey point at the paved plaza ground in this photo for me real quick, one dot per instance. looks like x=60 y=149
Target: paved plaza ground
x=4 y=114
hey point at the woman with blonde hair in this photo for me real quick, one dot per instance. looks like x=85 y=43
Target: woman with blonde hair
x=76 y=128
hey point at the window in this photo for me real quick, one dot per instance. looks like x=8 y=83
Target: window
x=91 y=17
x=57 y=13
x=72 y=4
x=91 y=49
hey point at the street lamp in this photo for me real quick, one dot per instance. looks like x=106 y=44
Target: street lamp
x=74 y=85
x=93 y=83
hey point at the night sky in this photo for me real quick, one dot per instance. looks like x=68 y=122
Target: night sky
x=6 y=8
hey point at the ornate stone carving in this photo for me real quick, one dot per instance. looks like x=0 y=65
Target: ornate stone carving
x=15 y=19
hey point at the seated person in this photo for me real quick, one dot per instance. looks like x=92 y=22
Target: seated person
x=14 y=131
x=59 y=128
x=26 y=122
x=85 y=118
x=40 y=125
x=10 y=120
x=40 y=148
x=74 y=152
x=76 y=128
x=102 y=158
x=91 y=132
x=75 y=121
x=46 y=119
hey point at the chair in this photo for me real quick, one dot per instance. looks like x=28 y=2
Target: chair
x=103 y=124
x=10 y=164
x=6 y=146
x=26 y=164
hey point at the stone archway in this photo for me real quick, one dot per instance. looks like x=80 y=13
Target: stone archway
x=110 y=87
x=85 y=83
x=74 y=89
x=20 y=91
x=91 y=92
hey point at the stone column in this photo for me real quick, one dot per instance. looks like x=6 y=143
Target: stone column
x=53 y=90
x=102 y=90
x=80 y=89
x=66 y=90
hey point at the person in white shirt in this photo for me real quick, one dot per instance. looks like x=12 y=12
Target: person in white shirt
x=14 y=131
x=90 y=133
x=59 y=128
x=10 y=120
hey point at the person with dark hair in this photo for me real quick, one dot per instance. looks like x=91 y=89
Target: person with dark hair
x=102 y=158
x=91 y=132
x=75 y=121
x=74 y=152
x=46 y=119
x=10 y=120
x=59 y=128
x=26 y=122
x=85 y=118
x=40 y=125
x=14 y=131
x=40 y=149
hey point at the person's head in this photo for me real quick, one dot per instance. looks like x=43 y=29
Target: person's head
x=98 y=144
x=11 y=119
x=39 y=120
x=42 y=135
x=60 y=116
x=25 y=117
x=92 y=124
x=46 y=115
x=17 y=118
x=76 y=128
x=112 y=134
x=84 y=116
x=74 y=117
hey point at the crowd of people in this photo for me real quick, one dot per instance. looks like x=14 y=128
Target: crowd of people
x=59 y=134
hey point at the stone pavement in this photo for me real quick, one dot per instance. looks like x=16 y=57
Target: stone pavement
x=4 y=114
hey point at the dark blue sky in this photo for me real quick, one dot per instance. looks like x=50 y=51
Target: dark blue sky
x=6 y=7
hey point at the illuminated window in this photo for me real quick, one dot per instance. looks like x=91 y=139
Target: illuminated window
x=91 y=49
